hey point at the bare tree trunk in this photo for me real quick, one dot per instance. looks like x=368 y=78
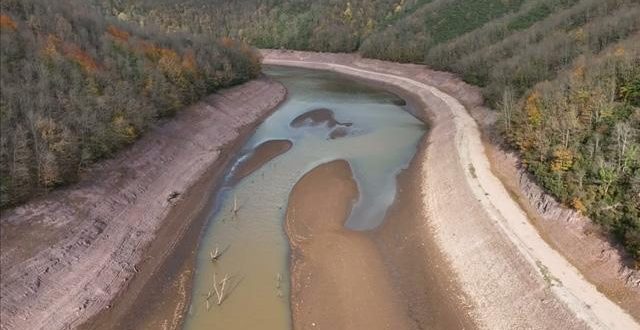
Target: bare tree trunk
x=209 y=294
x=235 y=204
x=214 y=255
x=507 y=106
x=36 y=145
x=220 y=292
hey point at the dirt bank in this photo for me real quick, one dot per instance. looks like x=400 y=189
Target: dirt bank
x=260 y=155
x=500 y=260
x=420 y=272
x=66 y=256
x=338 y=280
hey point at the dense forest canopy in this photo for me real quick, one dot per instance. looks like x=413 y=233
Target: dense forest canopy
x=565 y=74
x=326 y=25
x=579 y=136
x=77 y=86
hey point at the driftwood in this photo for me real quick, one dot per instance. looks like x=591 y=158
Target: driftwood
x=173 y=195
x=236 y=208
x=279 y=292
x=214 y=255
x=220 y=291
x=206 y=299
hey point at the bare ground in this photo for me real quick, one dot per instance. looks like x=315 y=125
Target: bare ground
x=419 y=270
x=317 y=117
x=338 y=280
x=511 y=276
x=65 y=256
x=260 y=155
x=423 y=294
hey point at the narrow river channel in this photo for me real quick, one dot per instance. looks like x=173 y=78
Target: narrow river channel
x=372 y=131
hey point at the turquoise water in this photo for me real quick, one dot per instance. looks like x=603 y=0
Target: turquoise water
x=381 y=142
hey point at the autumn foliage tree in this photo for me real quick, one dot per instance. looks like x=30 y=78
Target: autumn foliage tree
x=77 y=86
x=579 y=136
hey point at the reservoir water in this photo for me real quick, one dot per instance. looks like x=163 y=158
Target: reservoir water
x=247 y=221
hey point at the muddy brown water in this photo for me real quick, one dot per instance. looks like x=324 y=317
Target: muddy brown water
x=247 y=222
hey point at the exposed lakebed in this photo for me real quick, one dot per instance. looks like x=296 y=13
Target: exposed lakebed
x=326 y=117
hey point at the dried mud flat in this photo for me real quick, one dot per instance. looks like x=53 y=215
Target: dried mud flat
x=337 y=278
x=326 y=117
x=510 y=276
x=317 y=117
x=387 y=278
x=259 y=156
x=66 y=256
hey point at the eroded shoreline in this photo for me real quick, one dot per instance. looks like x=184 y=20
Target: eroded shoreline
x=456 y=234
x=487 y=232
x=98 y=231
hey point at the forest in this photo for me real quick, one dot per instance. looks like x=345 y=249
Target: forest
x=335 y=26
x=564 y=74
x=579 y=136
x=77 y=86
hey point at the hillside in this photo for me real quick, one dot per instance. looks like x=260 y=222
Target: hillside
x=78 y=86
x=336 y=26
x=564 y=74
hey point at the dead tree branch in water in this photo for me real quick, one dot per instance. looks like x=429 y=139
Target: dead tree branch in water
x=236 y=208
x=206 y=299
x=278 y=286
x=235 y=204
x=214 y=255
x=222 y=284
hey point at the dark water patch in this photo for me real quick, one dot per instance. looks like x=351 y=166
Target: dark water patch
x=338 y=132
x=317 y=117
